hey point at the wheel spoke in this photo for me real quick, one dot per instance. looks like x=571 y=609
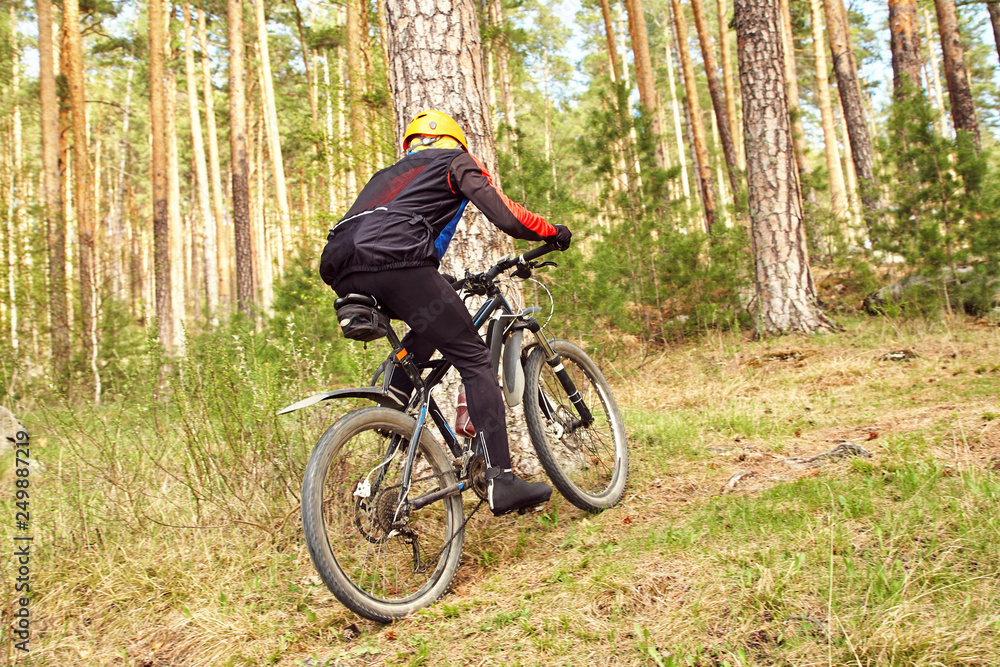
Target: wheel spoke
x=588 y=464
x=380 y=563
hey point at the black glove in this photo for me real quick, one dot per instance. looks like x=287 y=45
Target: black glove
x=560 y=240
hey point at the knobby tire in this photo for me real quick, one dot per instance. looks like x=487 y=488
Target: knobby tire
x=587 y=464
x=365 y=560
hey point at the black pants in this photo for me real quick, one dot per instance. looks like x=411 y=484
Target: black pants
x=439 y=320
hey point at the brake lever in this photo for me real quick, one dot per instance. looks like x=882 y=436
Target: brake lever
x=544 y=264
x=523 y=271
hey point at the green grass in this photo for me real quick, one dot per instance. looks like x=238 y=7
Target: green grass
x=167 y=531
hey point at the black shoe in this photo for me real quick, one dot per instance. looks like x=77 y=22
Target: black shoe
x=507 y=492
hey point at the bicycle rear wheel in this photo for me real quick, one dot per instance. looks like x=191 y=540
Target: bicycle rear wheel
x=587 y=464
x=380 y=563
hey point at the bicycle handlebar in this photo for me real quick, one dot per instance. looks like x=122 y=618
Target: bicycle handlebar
x=478 y=281
x=510 y=262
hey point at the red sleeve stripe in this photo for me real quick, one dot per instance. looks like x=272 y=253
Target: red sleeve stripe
x=532 y=221
x=485 y=173
x=535 y=223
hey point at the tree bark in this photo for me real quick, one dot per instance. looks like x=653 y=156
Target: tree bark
x=223 y=230
x=307 y=65
x=729 y=82
x=675 y=109
x=703 y=164
x=116 y=215
x=718 y=95
x=83 y=190
x=994 y=10
x=208 y=225
x=850 y=97
x=356 y=89
x=838 y=191
x=786 y=297
x=334 y=199
x=54 y=220
x=270 y=114
x=239 y=163
x=792 y=84
x=503 y=70
x=161 y=223
x=179 y=269
x=904 y=40
x=935 y=77
x=609 y=35
x=644 y=75
x=15 y=169
x=963 y=110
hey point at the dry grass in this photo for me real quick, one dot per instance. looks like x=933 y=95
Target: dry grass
x=881 y=561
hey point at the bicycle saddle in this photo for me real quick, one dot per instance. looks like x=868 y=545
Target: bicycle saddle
x=363 y=300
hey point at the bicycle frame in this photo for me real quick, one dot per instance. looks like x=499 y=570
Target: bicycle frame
x=423 y=402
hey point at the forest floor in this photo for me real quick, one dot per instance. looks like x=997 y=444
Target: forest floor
x=723 y=552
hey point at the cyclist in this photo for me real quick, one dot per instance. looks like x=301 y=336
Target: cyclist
x=389 y=245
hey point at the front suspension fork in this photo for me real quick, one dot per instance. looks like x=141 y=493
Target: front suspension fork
x=553 y=359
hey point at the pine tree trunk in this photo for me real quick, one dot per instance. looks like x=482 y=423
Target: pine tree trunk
x=83 y=189
x=850 y=175
x=645 y=77
x=161 y=215
x=208 y=224
x=850 y=97
x=935 y=75
x=729 y=82
x=838 y=191
x=786 y=297
x=239 y=166
x=270 y=113
x=178 y=239
x=13 y=167
x=963 y=110
x=223 y=228
x=609 y=33
x=356 y=89
x=503 y=70
x=703 y=164
x=66 y=183
x=262 y=235
x=792 y=84
x=328 y=138
x=675 y=109
x=904 y=40
x=345 y=146
x=307 y=65
x=54 y=219
x=117 y=214
x=619 y=100
x=994 y=10
x=718 y=94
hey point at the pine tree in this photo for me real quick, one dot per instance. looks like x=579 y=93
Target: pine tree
x=786 y=297
x=54 y=219
x=963 y=110
x=239 y=166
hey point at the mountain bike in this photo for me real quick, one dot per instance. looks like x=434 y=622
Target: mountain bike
x=382 y=507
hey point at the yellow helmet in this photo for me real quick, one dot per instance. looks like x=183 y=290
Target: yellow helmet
x=434 y=123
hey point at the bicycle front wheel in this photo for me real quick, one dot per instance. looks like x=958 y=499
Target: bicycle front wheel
x=379 y=559
x=587 y=463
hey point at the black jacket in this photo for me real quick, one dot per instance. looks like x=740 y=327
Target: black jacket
x=407 y=214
